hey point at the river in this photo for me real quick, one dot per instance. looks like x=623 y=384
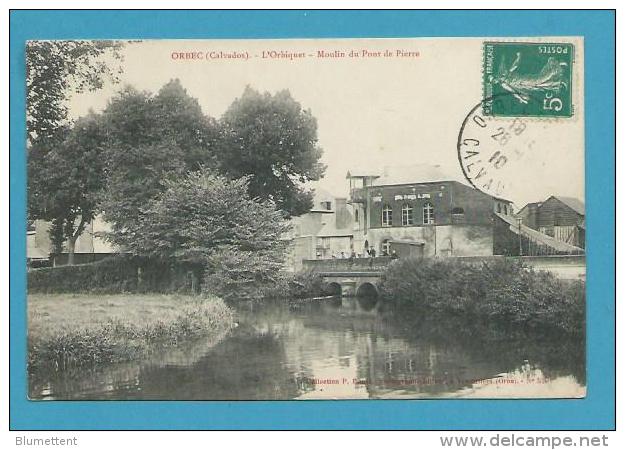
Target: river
x=347 y=349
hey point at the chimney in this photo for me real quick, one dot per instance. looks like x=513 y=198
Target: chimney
x=342 y=216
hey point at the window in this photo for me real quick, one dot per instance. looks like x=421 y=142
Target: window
x=356 y=216
x=428 y=214
x=499 y=207
x=387 y=216
x=406 y=215
x=326 y=205
x=505 y=209
x=457 y=211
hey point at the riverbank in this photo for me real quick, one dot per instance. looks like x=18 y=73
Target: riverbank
x=277 y=352
x=75 y=330
x=488 y=294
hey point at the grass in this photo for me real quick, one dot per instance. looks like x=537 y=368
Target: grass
x=75 y=330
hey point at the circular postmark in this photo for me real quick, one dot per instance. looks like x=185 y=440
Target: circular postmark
x=498 y=153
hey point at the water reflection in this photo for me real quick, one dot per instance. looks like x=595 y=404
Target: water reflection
x=330 y=349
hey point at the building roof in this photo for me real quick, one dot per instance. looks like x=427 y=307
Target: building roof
x=414 y=174
x=321 y=195
x=527 y=206
x=406 y=174
x=572 y=202
x=362 y=172
x=575 y=204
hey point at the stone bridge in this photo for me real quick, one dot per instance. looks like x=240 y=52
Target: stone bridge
x=351 y=277
x=361 y=276
x=350 y=284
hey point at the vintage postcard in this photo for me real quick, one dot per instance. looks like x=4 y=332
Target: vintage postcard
x=306 y=219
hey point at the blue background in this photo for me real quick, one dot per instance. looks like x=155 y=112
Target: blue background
x=596 y=411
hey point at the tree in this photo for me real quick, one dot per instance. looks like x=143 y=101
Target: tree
x=65 y=182
x=209 y=221
x=270 y=139
x=203 y=212
x=151 y=139
x=57 y=69
x=64 y=164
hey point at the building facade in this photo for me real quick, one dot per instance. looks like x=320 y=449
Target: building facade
x=90 y=247
x=417 y=211
x=562 y=218
x=325 y=232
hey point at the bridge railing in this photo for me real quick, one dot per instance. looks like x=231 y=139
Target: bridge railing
x=348 y=264
x=564 y=266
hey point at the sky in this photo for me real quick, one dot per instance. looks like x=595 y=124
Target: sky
x=398 y=102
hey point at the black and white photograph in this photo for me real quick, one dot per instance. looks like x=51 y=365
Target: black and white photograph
x=314 y=219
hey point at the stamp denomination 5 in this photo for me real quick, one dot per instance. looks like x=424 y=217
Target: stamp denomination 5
x=539 y=70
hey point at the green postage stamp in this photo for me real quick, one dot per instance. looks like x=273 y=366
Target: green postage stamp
x=523 y=79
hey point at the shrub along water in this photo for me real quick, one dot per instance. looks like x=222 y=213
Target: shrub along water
x=68 y=331
x=306 y=284
x=302 y=285
x=499 y=292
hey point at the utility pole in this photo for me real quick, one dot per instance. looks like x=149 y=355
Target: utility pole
x=520 y=221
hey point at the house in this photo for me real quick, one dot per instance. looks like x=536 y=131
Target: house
x=562 y=218
x=418 y=210
x=90 y=247
x=325 y=231
x=35 y=255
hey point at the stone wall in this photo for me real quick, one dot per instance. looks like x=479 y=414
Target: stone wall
x=565 y=267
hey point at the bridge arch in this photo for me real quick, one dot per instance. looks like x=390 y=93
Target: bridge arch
x=334 y=289
x=367 y=290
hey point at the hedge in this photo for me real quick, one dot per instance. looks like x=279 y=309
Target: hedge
x=115 y=275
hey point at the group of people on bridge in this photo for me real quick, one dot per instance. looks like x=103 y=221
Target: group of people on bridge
x=368 y=253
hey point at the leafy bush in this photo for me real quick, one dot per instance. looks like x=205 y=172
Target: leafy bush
x=234 y=274
x=498 y=291
x=201 y=214
x=237 y=275
x=305 y=284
